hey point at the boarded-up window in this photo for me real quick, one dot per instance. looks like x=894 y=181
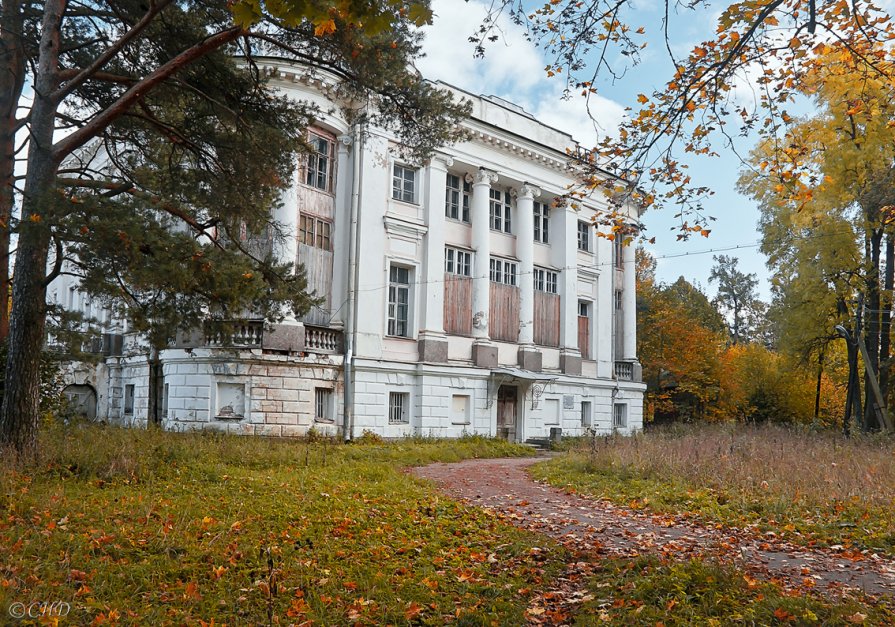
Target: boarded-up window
x=504 y=315
x=457 y=304
x=546 y=322
x=584 y=329
x=318 y=265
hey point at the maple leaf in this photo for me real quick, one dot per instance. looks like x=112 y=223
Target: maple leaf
x=324 y=27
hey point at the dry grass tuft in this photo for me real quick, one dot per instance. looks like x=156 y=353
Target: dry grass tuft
x=826 y=485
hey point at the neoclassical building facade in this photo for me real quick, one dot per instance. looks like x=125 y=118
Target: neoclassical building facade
x=457 y=297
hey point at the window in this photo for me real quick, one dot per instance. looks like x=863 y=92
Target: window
x=404 y=183
x=315 y=232
x=618 y=300
x=500 y=211
x=584 y=236
x=129 y=399
x=320 y=163
x=457 y=262
x=545 y=280
x=586 y=413
x=398 y=301
x=323 y=403
x=503 y=271
x=584 y=309
x=398 y=404
x=460 y=409
x=456 y=198
x=542 y=223
x=619 y=416
x=551 y=407
x=617 y=248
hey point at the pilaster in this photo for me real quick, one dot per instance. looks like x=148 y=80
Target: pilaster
x=481 y=244
x=432 y=341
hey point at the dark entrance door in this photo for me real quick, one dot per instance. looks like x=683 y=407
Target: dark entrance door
x=506 y=412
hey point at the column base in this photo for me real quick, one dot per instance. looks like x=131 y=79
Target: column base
x=570 y=362
x=484 y=355
x=285 y=336
x=530 y=358
x=433 y=348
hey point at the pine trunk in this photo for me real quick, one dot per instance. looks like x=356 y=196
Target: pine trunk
x=12 y=80
x=19 y=414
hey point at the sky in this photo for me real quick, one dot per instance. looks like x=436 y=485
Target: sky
x=513 y=69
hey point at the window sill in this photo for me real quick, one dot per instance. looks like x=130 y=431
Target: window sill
x=317 y=189
x=230 y=418
x=401 y=337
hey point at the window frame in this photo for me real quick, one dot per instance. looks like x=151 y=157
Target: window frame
x=452 y=261
x=619 y=415
x=467 y=410
x=128 y=408
x=323 y=397
x=544 y=278
x=542 y=222
x=311 y=227
x=395 y=287
x=587 y=417
x=402 y=407
x=584 y=240
x=457 y=199
x=500 y=211
x=499 y=269
x=399 y=192
x=312 y=161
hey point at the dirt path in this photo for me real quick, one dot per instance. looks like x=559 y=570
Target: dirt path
x=592 y=525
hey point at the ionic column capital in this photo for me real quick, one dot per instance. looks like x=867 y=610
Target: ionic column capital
x=485 y=177
x=527 y=190
x=441 y=161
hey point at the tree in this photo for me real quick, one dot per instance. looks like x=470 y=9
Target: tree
x=829 y=178
x=762 y=46
x=680 y=355
x=737 y=298
x=149 y=144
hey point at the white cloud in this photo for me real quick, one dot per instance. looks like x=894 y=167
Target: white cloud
x=513 y=68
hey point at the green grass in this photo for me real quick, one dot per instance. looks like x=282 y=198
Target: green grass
x=647 y=591
x=160 y=528
x=809 y=487
x=152 y=528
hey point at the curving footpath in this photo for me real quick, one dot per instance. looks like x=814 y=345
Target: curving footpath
x=589 y=526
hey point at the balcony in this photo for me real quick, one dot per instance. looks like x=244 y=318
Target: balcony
x=256 y=334
x=235 y=334
x=628 y=371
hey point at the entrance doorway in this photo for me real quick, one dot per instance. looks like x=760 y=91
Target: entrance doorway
x=506 y=412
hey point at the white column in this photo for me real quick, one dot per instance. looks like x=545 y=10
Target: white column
x=285 y=245
x=481 y=243
x=568 y=332
x=432 y=318
x=629 y=304
x=525 y=252
x=341 y=230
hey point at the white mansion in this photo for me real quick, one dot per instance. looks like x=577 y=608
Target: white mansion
x=456 y=299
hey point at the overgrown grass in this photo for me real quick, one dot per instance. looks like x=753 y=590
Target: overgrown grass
x=157 y=528
x=648 y=591
x=804 y=485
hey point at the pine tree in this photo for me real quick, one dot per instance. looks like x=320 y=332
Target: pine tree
x=153 y=141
